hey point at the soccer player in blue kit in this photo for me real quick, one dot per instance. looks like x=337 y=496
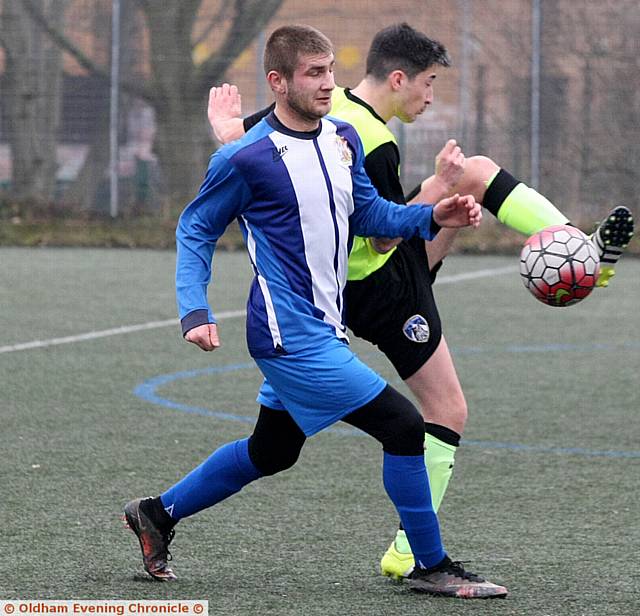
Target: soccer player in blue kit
x=297 y=186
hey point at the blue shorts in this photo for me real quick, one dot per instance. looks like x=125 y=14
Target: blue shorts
x=318 y=387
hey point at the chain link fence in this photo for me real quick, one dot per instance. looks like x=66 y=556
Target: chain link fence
x=548 y=89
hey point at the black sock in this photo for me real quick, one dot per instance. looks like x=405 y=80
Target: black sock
x=498 y=191
x=442 y=433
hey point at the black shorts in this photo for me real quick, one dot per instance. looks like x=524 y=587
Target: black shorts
x=394 y=308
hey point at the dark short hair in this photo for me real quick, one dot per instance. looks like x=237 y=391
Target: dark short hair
x=286 y=44
x=401 y=47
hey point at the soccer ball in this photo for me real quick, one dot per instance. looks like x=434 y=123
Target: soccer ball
x=559 y=265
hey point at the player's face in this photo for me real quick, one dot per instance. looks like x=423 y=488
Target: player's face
x=309 y=89
x=415 y=96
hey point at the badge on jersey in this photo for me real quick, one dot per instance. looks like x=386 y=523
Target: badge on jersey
x=417 y=329
x=344 y=151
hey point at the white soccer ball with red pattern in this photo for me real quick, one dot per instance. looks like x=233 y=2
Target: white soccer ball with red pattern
x=559 y=265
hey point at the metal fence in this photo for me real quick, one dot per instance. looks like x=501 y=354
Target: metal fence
x=103 y=101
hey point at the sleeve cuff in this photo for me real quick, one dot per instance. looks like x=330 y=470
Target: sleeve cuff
x=194 y=319
x=435 y=227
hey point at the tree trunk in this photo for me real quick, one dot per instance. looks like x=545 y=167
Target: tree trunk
x=83 y=194
x=183 y=145
x=33 y=81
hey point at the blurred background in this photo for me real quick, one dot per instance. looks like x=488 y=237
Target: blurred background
x=103 y=130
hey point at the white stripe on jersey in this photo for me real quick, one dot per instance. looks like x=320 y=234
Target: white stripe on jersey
x=266 y=294
x=342 y=192
x=316 y=221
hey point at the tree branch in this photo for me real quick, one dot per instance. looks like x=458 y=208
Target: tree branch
x=134 y=88
x=221 y=15
x=251 y=17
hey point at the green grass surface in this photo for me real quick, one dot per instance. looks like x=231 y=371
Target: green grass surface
x=544 y=497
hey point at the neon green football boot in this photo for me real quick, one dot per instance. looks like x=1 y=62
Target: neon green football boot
x=610 y=239
x=398 y=562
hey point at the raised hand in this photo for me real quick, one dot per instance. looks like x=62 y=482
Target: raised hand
x=457 y=211
x=225 y=112
x=449 y=165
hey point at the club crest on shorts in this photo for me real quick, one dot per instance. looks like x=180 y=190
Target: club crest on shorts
x=417 y=329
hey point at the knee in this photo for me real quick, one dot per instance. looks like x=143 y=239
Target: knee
x=405 y=436
x=451 y=412
x=271 y=457
x=448 y=408
x=478 y=170
x=480 y=167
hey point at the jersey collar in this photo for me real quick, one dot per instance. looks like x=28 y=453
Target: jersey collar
x=273 y=121
x=352 y=97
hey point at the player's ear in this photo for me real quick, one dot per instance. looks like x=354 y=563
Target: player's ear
x=396 y=79
x=277 y=82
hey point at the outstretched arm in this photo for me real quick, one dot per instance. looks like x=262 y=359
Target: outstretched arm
x=449 y=169
x=374 y=216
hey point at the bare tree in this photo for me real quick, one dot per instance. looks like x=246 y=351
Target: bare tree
x=33 y=89
x=177 y=86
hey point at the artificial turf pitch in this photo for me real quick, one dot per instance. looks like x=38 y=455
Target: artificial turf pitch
x=544 y=497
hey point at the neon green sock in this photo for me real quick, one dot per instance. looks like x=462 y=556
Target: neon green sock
x=527 y=211
x=402 y=543
x=439 y=458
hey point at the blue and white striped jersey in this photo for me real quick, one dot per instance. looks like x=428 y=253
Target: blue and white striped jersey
x=299 y=199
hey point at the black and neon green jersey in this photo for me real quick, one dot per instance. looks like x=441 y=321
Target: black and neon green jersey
x=382 y=162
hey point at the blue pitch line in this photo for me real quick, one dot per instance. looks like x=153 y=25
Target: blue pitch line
x=547 y=348
x=147 y=392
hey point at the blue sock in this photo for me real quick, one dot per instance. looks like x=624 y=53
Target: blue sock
x=225 y=472
x=406 y=482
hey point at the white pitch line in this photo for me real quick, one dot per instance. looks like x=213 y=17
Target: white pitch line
x=229 y=314
x=126 y=329
x=483 y=273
